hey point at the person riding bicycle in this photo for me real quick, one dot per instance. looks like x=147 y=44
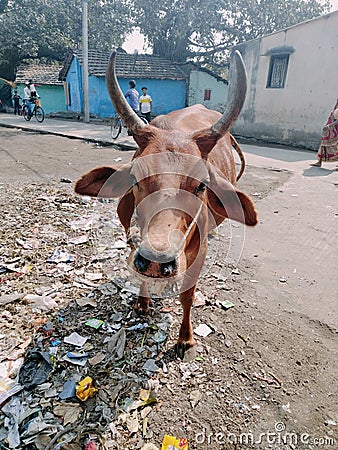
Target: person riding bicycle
x=32 y=88
x=27 y=98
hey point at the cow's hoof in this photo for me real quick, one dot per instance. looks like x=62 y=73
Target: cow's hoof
x=185 y=351
x=142 y=306
x=141 y=311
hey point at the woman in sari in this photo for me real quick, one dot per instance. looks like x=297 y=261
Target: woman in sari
x=328 y=150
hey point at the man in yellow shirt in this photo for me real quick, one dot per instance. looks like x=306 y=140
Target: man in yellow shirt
x=145 y=104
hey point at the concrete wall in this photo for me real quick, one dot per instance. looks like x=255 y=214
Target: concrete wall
x=51 y=96
x=74 y=80
x=199 y=82
x=295 y=114
x=167 y=95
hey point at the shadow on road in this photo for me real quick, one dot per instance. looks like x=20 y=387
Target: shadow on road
x=316 y=172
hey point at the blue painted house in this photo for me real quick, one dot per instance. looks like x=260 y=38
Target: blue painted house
x=48 y=85
x=166 y=82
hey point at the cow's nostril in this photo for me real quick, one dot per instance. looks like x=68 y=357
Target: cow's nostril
x=141 y=263
x=167 y=269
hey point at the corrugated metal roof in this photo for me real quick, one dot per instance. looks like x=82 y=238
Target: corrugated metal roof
x=128 y=66
x=39 y=73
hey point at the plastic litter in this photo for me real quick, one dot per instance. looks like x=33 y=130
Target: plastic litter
x=171 y=443
x=85 y=389
x=69 y=390
x=194 y=398
x=117 y=343
x=227 y=304
x=47 y=329
x=35 y=368
x=4 y=269
x=94 y=323
x=60 y=256
x=150 y=366
x=203 y=330
x=76 y=358
x=330 y=422
x=75 y=339
x=13 y=410
x=199 y=299
x=7 y=392
x=90 y=445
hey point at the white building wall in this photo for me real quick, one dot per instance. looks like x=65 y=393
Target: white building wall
x=295 y=114
x=200 y=81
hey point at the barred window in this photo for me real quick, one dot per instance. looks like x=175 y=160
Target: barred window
x=277 y=71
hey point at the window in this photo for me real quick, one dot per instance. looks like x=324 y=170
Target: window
x=207 y=94
x=277 y=71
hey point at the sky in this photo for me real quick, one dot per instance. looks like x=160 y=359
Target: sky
x=136 y=40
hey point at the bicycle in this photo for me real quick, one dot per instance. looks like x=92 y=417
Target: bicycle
x=117 y=125
x=37 y=111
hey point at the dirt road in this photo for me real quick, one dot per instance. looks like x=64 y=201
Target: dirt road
x=268 y=372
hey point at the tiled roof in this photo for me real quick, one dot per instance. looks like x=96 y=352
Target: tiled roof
x=128 y=66
x=39 y=73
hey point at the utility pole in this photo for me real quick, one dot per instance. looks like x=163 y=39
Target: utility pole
x=85 y=59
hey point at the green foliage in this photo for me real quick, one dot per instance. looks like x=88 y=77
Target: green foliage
x=3 y=4
x=200 y=30
x=205 y=29
x=47 y=28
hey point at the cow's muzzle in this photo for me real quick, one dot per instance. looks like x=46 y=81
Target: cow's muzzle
x=155 y=265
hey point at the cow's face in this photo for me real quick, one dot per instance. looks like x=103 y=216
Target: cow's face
x=169 y=192
x=166 y=193
x=176 y=198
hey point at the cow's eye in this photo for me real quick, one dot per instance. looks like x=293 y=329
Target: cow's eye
x=200 y=188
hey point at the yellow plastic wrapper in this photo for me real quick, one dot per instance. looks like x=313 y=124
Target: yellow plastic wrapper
x=85 y=389
x=171 y=443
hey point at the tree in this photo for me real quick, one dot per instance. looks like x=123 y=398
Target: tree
x=47 y=28
x=3 y=4
x=204 y=29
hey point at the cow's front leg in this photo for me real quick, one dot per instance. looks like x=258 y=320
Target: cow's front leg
x=142 y=305
x=185 y=338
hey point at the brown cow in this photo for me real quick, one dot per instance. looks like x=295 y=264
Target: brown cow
x=181 y=184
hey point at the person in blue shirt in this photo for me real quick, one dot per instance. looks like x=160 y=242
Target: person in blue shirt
x=132 y=97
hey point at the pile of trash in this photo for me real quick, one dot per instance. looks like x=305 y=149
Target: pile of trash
x=92 y=367
x=77 y=366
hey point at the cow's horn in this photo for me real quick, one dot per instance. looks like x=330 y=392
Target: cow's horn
x=236 y=96
x=121 y=106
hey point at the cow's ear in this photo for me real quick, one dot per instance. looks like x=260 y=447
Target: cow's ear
x=227 y=201
x=105 y=182
x=206 y=141
x=143 y=136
